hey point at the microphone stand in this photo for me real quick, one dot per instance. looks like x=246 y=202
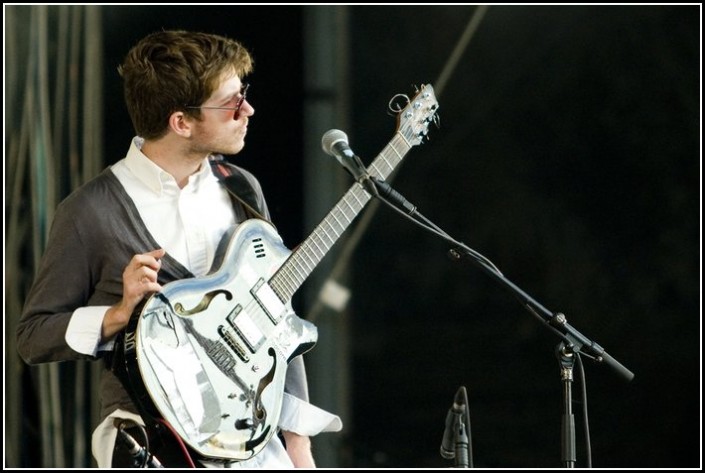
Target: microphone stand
x=457 y=439
x=567 y=360
x=558 y=322
x=572 y=341
x=462 y=443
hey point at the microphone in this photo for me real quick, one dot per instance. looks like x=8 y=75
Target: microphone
x=335 y=143
x=140 y=454
x=454 y=420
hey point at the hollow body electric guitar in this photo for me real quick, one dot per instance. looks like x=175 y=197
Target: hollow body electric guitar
x=209 y=355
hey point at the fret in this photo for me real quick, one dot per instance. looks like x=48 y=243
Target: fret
x=349 y=206
x=303 y=260
x=360 y=202
x=315 y=250
x=336 y=219
x=282 y=282
x=390 y=157
x=321 y=251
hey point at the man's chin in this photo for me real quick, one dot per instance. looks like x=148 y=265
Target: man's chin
x=230 y=150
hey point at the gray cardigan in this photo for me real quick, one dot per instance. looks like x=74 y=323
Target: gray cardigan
x=95 y=232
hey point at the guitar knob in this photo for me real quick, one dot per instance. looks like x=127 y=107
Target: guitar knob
x=244 y=424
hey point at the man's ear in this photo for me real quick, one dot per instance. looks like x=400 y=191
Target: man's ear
x=180 y=124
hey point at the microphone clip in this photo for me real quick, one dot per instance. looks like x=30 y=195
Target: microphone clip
x=358 y=171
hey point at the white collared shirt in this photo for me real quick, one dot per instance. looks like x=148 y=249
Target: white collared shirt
x=188 y=223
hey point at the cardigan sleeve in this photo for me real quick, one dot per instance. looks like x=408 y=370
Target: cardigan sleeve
x=61 y=285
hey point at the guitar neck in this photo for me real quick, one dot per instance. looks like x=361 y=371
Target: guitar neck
x=306 y=257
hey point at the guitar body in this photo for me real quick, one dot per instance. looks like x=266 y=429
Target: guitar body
x=211 y=353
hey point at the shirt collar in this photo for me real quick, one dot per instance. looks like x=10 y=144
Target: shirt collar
x=154 y=177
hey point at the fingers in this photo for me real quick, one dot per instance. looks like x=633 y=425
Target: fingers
x=146 y=275
x=140 y=276
x=151 y=260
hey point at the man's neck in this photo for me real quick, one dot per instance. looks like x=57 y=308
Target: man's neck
x=173 y=160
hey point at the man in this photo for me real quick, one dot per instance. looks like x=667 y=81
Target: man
x=154 y=217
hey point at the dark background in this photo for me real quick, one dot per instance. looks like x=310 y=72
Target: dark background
x=568 y=154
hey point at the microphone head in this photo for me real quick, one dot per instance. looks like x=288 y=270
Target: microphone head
x=460 y=399
x=330 y=138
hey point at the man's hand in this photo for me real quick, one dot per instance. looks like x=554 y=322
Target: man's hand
x=299 y=449
x=138 y=279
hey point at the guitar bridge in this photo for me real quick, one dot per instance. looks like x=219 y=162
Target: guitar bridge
x=232 y=343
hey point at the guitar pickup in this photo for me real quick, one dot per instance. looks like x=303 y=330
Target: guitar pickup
x=232 y=343
x=246 y=328
x=269 y=301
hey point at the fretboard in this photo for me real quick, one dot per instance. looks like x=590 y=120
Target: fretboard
x=289 y=277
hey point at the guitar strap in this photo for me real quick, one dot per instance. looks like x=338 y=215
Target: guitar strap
x=237 y=185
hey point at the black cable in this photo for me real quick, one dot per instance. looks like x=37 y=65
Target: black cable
x=139 y=451
x=584 y=410
x=417 y=218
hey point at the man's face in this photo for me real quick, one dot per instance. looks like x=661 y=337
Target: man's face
x=223 y=130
